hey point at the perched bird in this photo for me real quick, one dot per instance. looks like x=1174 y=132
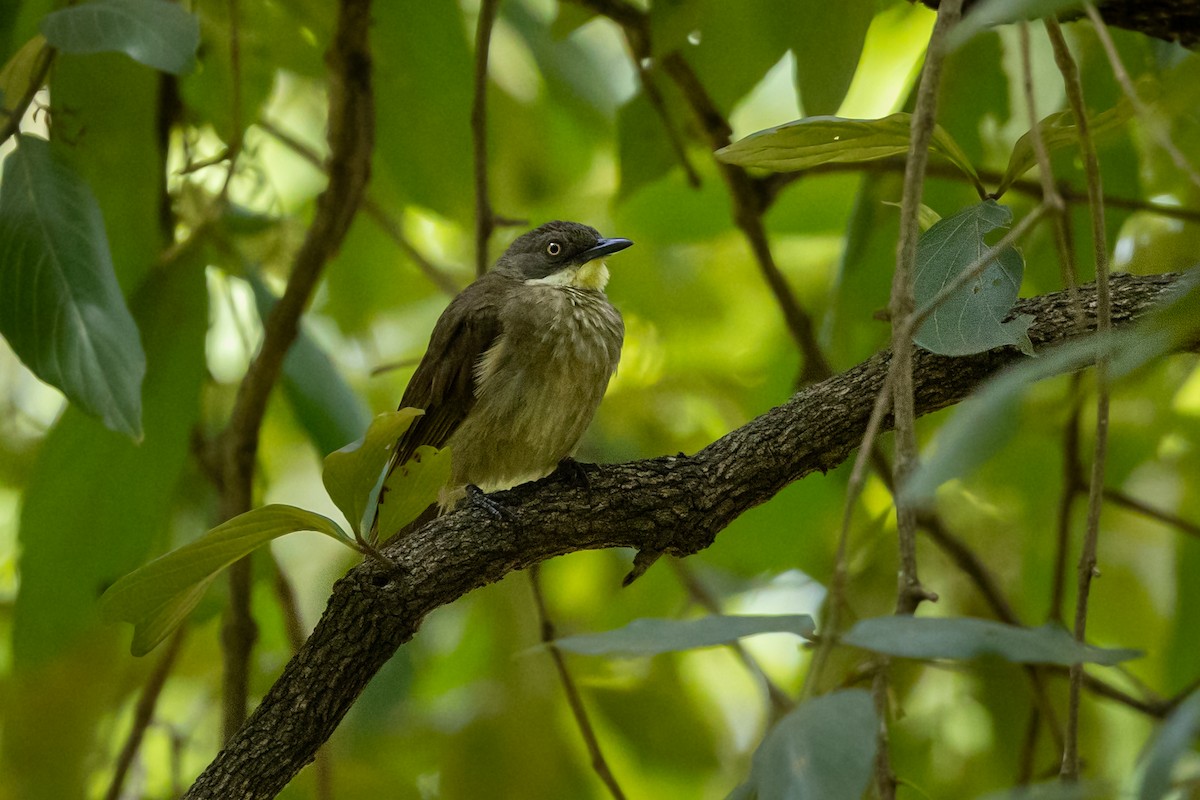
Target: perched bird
x=518 y=362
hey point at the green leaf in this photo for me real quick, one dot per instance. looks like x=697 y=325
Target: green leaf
x=351 y=474
x=411 y=488
x=1059 y=130
x=157 y=596
x=1087 y=790
x=822 y=750
x=324 y=404
x=1173 y=739
x=644 y=151
x=963 y=638
x=63 y=312
x=20 y=70
x=156 y=33
x=1001 y=12
x=813 y=141
x=971 y=320
x=648 y=637
x=827 y=51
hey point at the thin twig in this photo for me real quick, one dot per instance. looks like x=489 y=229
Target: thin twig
x=655 y=98
x=237 y=135
x=13 y=117
x=143 y=712
x=1087 y=559
x=779 y=700
x=485 y=221
x=1156 y=128
x=439 y=276
x=574 y=700
x=1073 y=486
x=351 y=138
x=776 y=182
x=1131 y=503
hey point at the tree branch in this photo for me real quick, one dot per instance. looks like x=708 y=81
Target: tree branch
x=673 y=504
x=351 y=138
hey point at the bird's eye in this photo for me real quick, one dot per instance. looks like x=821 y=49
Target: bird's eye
x=554 y=248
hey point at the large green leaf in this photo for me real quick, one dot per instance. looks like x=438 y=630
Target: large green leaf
x=812 y=141
x=1174 y=738
x=158 y=596
x=411 y=488
x=648 y=637
x=827 y=49
x=352 y=474
x=324 y=404
x=822 y=750
x=643 y=148
x=963 y=638
x=971 y=319
x=156 y=33
x=62 y=310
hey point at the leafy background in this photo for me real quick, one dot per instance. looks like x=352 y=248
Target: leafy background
x=468 y=709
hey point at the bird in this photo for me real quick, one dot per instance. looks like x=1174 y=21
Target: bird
x=517 y=363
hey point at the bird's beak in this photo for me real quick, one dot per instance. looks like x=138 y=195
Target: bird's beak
x=602 y=248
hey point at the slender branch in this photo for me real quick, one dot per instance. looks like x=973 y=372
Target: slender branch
x=747 y=195
x=655 y=98
x=1131 y=503
x=438 y=276
x=12 y=117
x=673 y=504
x=1156 y=128
x=1073 y=486
x=237 y=135
x=1087 y=559
x=351 y=137
x=574 y=700
x=776 y=182
x=485 y=218
x=143 y=712
x=910 y=593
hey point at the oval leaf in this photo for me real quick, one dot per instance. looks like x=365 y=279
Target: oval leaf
x=648 y=637
x=813 y=141
x=352 y=474
x=962 y=638
x=157 y=597
x=822 y=750
x=156 y=33
x=411 y=488
x=62 y=310
x=971 y=320
x=1059 y=130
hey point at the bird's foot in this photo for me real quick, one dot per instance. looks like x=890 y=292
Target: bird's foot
x=574 y=473
x=477 y=498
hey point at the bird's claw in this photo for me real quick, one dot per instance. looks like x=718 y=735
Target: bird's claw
x=495 y=510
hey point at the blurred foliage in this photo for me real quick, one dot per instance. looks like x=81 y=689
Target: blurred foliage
x=468 y=709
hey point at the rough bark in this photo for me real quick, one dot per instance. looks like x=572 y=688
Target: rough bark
x=675 y=504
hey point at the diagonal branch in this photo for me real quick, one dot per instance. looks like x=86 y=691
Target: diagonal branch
x=674 y=504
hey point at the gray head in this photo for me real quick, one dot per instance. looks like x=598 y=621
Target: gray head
x=561 y=253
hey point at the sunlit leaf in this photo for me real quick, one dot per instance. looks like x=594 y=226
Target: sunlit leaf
x=62 y=310
x=971 y=320
x=1059 y=130
x=159 y=595
x=156 y=33
x=1173 y=739
x=350 y=474
x=963 y=638
x=411 y=488
x=813 y=141
x=822 y=750
x=647 y=637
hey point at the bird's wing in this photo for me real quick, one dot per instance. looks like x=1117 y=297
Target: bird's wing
x=444 y=383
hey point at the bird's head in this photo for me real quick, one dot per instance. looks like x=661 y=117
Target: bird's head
x=561 y=254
